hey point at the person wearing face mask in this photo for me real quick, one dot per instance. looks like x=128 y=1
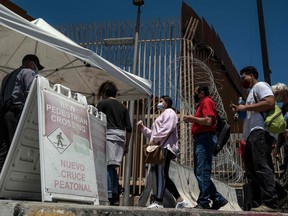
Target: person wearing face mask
x=203 y=131
x=257 y=155
x=14 y=91
x=165 y=125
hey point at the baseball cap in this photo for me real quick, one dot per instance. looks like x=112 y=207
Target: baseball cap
x=34 y=58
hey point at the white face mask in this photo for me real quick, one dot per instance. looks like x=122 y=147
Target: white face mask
x=160 y=106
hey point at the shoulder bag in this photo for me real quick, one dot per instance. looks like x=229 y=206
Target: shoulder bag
x=153 y=154
x=274 y=120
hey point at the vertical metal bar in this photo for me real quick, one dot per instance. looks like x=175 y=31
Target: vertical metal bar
x=131 y=110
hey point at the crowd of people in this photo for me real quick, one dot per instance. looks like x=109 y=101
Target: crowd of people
x=266 y=192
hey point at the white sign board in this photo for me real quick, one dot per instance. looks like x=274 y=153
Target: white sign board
x=98 y=133
x=51 y=155
x=67 y=169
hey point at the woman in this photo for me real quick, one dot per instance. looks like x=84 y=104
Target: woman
x=164 y=125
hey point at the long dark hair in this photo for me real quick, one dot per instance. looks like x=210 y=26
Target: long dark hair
x=168 y=100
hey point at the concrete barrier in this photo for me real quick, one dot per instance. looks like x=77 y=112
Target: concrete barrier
x=187 y=186
x=21 y=208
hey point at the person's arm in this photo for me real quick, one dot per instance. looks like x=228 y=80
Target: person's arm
x=128 y=128
x=207 y=120
x=146 y=131
x=127 y=141
x=267 y=103
x=28 y=76
x=163 y=126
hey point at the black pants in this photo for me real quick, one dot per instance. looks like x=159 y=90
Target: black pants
x=4 y=140
x=259 y=168
x=163 y=179
x=9 y=121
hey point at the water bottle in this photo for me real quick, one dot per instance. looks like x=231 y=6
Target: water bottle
x=242 y=114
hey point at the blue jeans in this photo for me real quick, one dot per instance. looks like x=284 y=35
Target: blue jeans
x=112 y=178
x=203 y=150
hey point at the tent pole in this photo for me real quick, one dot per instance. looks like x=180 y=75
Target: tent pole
x=127 y=174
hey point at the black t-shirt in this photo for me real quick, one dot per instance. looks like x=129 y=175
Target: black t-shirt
x=116 y=113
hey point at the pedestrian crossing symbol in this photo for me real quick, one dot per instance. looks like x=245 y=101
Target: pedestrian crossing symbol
x=59 y=140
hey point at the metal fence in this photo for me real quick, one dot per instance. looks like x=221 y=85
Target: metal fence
x=167 y=57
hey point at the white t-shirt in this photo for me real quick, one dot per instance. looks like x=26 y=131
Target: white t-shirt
x=254 y=120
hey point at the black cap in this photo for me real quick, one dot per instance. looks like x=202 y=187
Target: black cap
x=34 y=58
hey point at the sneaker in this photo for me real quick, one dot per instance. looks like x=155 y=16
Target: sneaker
x=113 y=202
x=155 y=205
x=218 y=205
x=263 y=208
x=202 y=207
x=181 y=205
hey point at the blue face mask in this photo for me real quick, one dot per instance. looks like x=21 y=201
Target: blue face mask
x=160 y=106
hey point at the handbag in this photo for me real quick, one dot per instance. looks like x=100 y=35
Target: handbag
x=153 y=154
x=274 y=120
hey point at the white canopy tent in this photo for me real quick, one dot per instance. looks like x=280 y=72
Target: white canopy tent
x=65 y=62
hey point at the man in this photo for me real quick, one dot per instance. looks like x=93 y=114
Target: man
x=118 y=135
x=14 y=91
x=258 y=149
x=203 y=130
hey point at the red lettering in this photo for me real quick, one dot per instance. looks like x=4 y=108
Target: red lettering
x=73 y=175
x=72 y=186
x=56 y=183
x=72 y=165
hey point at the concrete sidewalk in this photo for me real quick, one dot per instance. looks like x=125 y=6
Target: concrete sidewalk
x=27 y=208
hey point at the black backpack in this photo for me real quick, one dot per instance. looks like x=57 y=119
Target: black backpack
x=222 y=133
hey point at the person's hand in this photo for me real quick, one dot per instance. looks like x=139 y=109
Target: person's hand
x=238 y=108
x=234 y=107
x=188 y=118
x=152 y=142
x=140 y=125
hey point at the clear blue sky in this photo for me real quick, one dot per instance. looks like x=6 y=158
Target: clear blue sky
x=236 y=22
